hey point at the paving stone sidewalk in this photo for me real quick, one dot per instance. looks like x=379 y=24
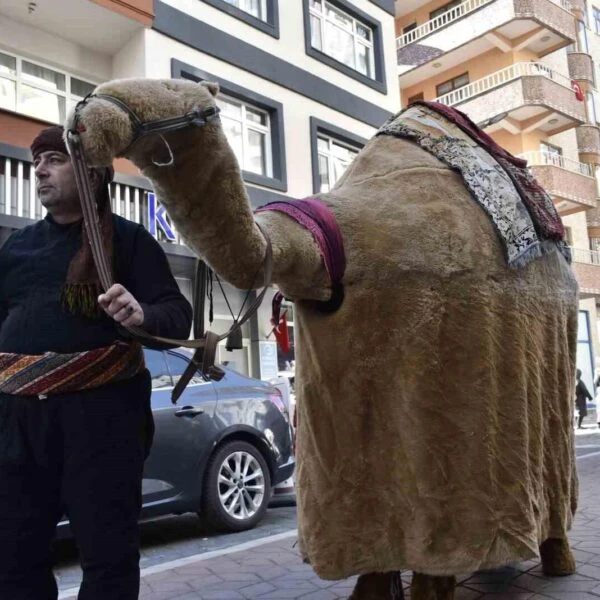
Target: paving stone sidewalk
x=274 y=571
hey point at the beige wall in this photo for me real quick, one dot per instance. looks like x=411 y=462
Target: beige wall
x=54 y=51
x=290 y=46
x=297 y=108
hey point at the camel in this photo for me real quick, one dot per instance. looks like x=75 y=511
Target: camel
x=435 y=402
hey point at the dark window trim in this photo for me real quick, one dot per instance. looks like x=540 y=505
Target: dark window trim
x=270 y=26
x=379 y=82
x=216 y=43
x=180 y=70
x=387 y=5
x=316 y=127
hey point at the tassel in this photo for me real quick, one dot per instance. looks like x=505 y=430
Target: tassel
x=81 y=299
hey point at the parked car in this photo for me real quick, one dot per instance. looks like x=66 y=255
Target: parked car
x=219 y=452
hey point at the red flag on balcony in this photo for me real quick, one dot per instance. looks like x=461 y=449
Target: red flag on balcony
x=578 y=91
x=281 y=333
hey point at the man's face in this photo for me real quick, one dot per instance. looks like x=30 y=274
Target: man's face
x=56 y=185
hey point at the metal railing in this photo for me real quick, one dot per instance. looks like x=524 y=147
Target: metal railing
x=585 y=256
x=431 y=26
x=515 y=71
x=542 y=158
x=452 y=15
x=18 y=195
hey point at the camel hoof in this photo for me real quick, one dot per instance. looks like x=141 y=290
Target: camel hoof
x=557 y=558
x=378 y=586
x=428 y=587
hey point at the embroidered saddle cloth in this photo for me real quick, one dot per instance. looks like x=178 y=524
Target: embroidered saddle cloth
x=53 y=373
x=523 y=214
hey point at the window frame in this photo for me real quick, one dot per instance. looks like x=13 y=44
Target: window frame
x=270 y=26
x=452 y=81
x=420 y=97
x=18 y=79
x=278 y=180
x=319 y=127
x=596 y=17
x=378 y=81
x=440 y=10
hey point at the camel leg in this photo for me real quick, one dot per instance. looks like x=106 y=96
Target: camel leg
x=378 y=586
x=428 y=587
x=557 y=558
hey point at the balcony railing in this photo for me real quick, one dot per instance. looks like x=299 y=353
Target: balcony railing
x=515 y=71
x=585 y=256
x=18 y=195
x=450 y=16
x=541 y=157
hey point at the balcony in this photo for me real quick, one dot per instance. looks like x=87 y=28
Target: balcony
x=588 y=142
x=571 y=184
x=474 y=27
x=522 y=98
x=581 y=69
x=587 y=270
x=101 y=25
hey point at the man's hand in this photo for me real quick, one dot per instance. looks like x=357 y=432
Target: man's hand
x=120 y=304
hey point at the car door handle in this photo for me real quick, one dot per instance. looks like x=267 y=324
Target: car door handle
x=189 y=411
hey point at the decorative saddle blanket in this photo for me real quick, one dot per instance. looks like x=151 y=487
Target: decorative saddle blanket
x=522 y=212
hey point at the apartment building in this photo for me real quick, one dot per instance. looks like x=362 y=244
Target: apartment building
x=526 y=71
x=304 y=83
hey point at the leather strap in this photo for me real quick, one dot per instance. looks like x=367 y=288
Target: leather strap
x=206 y=345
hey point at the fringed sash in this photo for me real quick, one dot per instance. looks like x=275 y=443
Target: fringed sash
x=522 y=212
x=53 y=373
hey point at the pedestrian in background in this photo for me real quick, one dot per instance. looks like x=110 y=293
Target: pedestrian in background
x=582 y=395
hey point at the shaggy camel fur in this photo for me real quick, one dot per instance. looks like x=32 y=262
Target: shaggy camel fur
x=435 y=418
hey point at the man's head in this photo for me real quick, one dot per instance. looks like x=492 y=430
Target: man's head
x=578 y=374
x=56 y=185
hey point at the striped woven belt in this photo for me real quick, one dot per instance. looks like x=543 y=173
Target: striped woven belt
x=53 y=373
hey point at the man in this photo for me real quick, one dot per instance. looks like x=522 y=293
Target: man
x=76 y=426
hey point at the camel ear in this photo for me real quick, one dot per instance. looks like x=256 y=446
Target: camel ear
x=213 y=88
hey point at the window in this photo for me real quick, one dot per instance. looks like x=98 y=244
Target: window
x=334 y=158
x=340 y=36
x=333 y=150
x=582 y=40
x=253 y=125
x=452 y=84
x=415 y=98
x=409 y=28
x=38 y=91
x=248 y=132
x=177 y=366
x=551 y=154
x=155 y=363
x=444 y=9
x=569 y=235
x=346 y=39
x=257 y=8
x=261 y=14
x=596 y=17
x=591 y=108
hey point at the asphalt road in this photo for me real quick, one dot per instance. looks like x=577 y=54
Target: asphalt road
x=176 y=537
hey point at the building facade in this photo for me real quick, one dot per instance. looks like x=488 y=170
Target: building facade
x=526 y=71
x=304 y=84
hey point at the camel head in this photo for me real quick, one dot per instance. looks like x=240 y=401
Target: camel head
x=106 y=128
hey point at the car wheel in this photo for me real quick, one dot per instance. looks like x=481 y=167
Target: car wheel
x=237 y=487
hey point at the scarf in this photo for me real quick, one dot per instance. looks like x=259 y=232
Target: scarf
x=79 y=294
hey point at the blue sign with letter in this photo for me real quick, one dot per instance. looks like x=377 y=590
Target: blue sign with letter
x=157 y=216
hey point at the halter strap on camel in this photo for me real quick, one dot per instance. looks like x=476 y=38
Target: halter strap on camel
x=206 y=345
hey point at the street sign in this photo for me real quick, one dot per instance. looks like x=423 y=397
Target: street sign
x=157 y=217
